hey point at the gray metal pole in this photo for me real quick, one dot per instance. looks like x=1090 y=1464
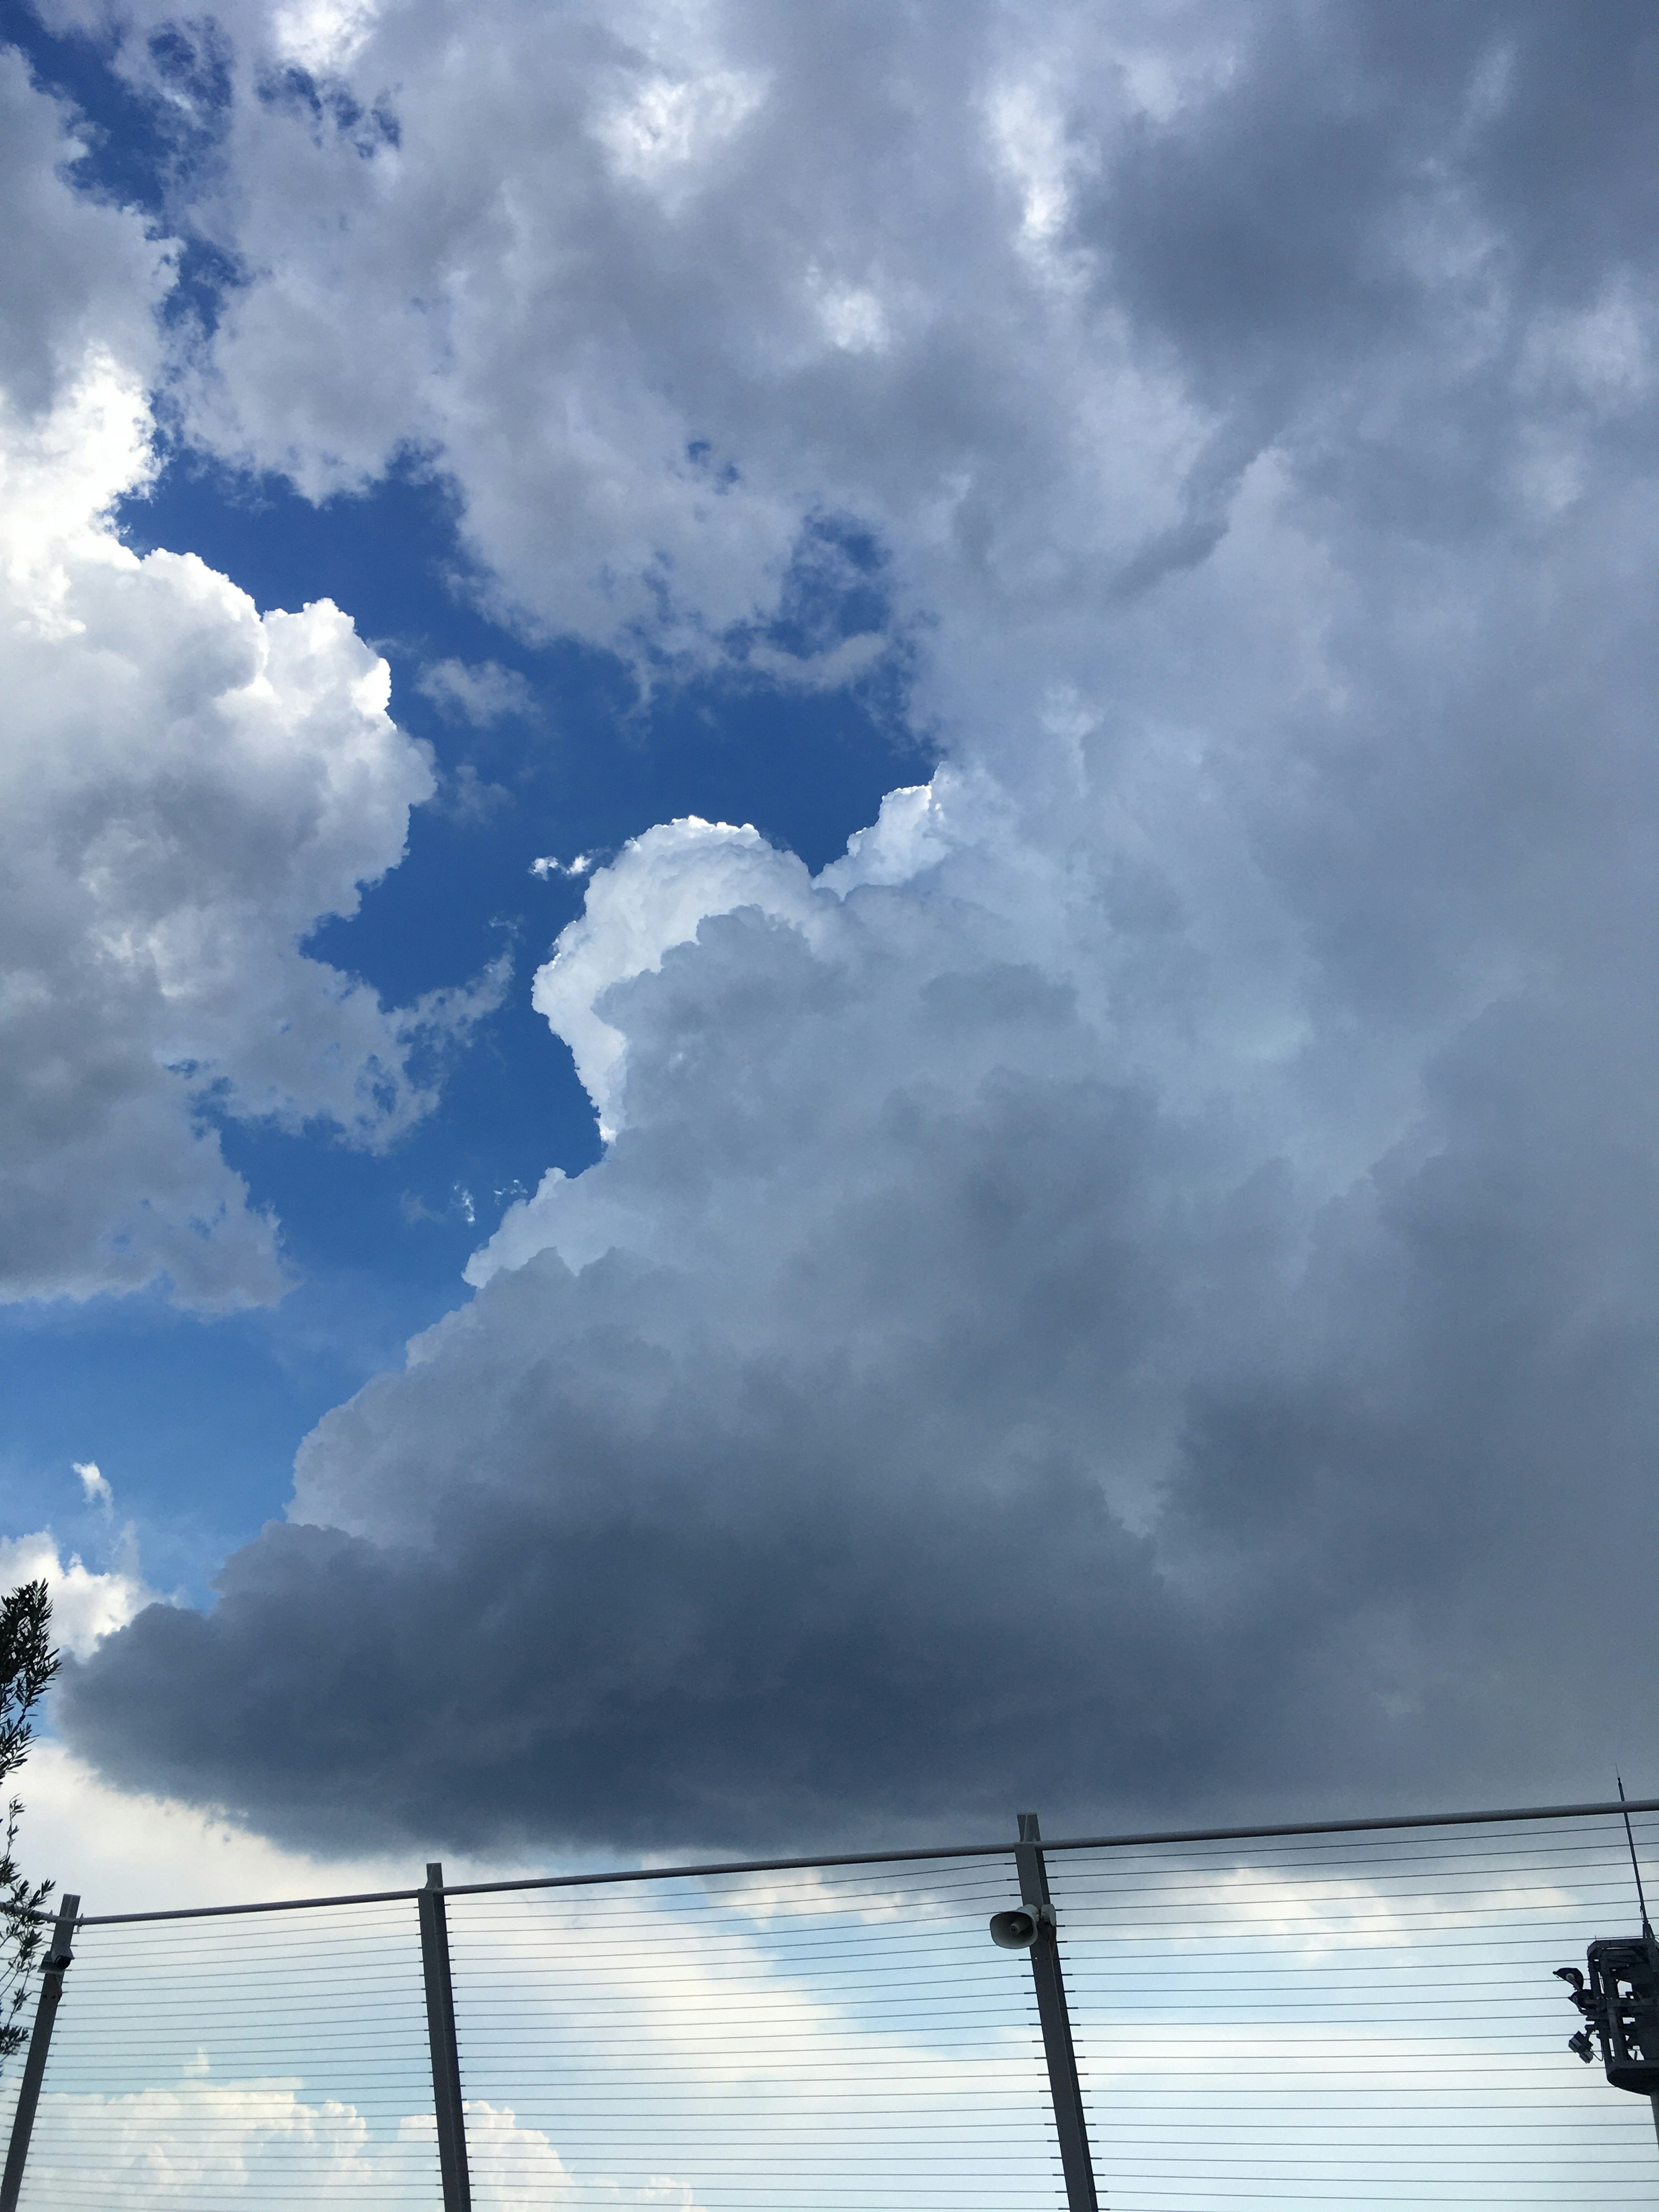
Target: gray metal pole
x=1064 y=2087
x=34 y=2066
x=446 y=2053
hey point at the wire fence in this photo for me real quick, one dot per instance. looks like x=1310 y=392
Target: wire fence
x=1364 y=2019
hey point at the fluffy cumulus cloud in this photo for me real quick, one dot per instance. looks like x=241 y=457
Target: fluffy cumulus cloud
x=186 y=789
x=87 y=1603
x=1139 y=1286
x=240 y=2142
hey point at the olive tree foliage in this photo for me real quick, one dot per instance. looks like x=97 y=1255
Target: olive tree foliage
x=28 y=1663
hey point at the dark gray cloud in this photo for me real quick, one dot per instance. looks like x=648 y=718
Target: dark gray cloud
x=1347 y=243
x=1138 y=1292
x=1036 y=1458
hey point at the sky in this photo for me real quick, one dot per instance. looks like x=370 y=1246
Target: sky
x=828 y=918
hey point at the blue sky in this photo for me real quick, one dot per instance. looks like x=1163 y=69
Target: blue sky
x=828 y=910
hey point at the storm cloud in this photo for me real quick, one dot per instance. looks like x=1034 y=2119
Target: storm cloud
x=1136 y=1291
x=854 y=1451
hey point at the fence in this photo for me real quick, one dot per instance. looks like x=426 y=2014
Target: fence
x=1362 y=2016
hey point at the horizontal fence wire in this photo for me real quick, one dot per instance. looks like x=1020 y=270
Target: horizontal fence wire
x=847 y=2040
x=1366 y=2019
x=648 y=1874
x=1363 y=2021
x=246 y=2063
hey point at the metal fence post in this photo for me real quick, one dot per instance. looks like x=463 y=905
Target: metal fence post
x=34 y=2066
x=446 y=2054
x=1064 y=2087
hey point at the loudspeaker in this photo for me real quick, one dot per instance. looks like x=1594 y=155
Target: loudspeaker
x=1014 y=1931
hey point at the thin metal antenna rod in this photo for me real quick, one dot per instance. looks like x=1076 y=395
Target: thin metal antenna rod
x=1647 y=1926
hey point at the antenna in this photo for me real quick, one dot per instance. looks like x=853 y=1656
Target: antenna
x=1647 y=1929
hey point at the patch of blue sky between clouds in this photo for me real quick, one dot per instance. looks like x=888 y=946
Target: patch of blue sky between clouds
x=142 y=147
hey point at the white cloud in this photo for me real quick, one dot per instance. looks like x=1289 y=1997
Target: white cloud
x=902 y=311
x=79 y=279
x=853 y=316
x=87 y=1604
x=651 y=897
x=95 y=1484
x=203 y=2139
x=829 y=670
x=480 y=693
x=323 y=36
x=186 y=789
x=664 y=126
